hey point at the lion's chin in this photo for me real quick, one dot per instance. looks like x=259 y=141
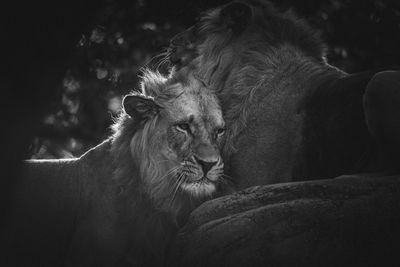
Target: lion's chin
x=200 y=188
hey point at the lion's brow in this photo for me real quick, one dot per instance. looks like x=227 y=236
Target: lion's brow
x=188 y=119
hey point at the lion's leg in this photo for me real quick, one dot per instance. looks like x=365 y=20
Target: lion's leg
x=382 y=111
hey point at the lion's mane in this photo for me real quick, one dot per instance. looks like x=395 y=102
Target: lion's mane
x=256 y=60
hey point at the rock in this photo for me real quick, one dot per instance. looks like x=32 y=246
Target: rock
x=382 y=113
x=349 y=220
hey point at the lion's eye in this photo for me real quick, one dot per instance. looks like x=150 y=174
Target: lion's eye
x=220 y=131
x=183 y=127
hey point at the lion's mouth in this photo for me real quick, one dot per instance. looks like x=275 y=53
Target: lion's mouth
x=198 y=182
x=200 y=187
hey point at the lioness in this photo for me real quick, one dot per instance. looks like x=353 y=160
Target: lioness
x=290 y=115
x=121 y=201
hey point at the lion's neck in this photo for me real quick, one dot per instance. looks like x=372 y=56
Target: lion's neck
x=150 y=228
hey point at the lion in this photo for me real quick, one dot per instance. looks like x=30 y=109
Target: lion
x=122 y=201
x=290 y=115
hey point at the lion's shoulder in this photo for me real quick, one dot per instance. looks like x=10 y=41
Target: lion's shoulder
x=53 y=198
x=65 y=179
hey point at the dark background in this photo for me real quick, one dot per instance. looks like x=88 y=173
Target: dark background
x=65 y=64
x=71 y=61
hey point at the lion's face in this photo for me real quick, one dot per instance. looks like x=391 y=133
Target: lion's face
x=193 y=127
x=187 y=128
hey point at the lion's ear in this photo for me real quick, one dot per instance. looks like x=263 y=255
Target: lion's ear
x=140 y=107
x=236 y=16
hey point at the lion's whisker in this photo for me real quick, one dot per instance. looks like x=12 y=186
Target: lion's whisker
x=178 y=184
x=162 y=54
x=162 y=62
x=171 y=171
x=177 y=181
x=226 y=179
x=230 y=178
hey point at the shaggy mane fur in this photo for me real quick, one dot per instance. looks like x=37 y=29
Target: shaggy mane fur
x=134 y=147
x=257 y=58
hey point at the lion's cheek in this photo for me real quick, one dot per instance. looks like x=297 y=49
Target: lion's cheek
x=178 y=143
x=170 y=154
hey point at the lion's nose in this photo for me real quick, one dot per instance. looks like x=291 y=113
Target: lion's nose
x=205 y=165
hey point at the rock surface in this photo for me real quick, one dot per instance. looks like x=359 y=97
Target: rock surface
x=349 y=220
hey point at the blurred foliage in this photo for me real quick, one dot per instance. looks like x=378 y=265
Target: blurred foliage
x=129 y=35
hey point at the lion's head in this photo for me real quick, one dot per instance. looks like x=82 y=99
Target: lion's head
x=234 y=35
x=174 y=129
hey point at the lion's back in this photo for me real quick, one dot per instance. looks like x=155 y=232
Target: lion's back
x=45 y=204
